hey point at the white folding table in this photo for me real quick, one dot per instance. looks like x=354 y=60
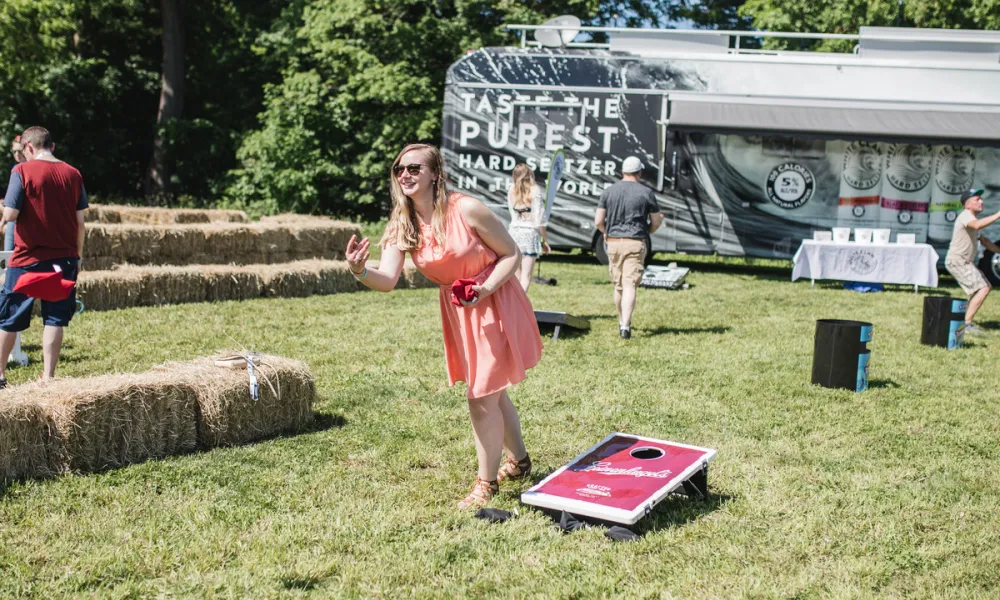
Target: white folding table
x=906 y=264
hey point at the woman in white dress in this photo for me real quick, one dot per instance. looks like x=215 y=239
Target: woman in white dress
x=524 y=201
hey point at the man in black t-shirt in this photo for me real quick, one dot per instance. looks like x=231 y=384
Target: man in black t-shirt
x=627 y=215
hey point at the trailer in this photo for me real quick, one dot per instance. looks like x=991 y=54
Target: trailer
x=748 y=151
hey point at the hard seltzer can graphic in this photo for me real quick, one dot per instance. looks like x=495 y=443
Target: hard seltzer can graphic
x=954 y=171
x=860 y=185
x=906 y=189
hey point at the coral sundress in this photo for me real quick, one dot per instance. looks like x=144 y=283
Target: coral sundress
x=490 y=345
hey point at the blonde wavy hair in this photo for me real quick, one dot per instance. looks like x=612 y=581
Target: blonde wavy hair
x=403 y=229
x=524 y=184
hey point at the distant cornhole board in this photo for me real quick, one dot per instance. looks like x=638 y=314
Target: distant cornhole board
x=622 y=478
x=669 y=277
x=560 y=320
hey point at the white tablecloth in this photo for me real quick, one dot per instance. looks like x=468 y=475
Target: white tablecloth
x=911 y=264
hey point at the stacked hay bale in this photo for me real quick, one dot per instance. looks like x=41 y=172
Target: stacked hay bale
x=143 y=215
x=131 y=286
x=107 y=246
x=95 y=423
x=138 y=256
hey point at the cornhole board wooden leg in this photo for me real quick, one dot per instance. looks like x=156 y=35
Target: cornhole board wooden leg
x=560 y=319
x=622 y=478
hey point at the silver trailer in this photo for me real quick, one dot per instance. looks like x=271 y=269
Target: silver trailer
x=748 y=151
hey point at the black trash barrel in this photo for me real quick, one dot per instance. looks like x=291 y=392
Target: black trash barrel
x=841 y=354
x=944 y=322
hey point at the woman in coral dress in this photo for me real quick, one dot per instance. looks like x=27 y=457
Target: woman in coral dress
x=491 y=339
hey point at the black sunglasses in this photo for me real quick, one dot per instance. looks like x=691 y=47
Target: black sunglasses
x=413 y=169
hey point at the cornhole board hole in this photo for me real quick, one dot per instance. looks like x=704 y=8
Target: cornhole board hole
x=621 y=478
x=669 y=277
x=560 y=320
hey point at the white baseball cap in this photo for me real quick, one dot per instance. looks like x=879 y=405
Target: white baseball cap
x=631 y=165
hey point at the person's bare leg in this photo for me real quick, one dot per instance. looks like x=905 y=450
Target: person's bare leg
x=527 y=265
x=488 y=431
x=975 y=302
x=513 y=443
x=52 y=337
x=7 y=340
x=627 y=303
x=618 y=303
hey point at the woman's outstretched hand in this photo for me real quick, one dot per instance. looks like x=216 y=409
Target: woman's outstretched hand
x=357 y=254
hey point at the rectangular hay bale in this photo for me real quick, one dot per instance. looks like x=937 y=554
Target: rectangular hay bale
x=171 y=285
x=224 y=282
x=110 y=290
x=114 y=420
x=24 y=437
x=226 y=413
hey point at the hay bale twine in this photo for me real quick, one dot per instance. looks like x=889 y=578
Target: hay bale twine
x=227 y=415
x=114 y=420
x=24 y=437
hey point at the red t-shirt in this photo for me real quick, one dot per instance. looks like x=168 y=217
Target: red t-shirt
x=50 y=195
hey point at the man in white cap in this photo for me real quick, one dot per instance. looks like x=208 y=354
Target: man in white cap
x=962 y=252
x=626 y=215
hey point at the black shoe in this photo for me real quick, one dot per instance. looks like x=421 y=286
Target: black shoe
x=3 y=382
x=625 y=333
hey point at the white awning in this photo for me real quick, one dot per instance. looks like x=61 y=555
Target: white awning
x=849 y=119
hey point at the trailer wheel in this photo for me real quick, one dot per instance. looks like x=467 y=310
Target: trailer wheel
x=990 y=266
x=600 y=249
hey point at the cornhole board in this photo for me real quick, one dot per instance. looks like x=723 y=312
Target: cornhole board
x=669 y=277
x=621 y=478
x=561 y=319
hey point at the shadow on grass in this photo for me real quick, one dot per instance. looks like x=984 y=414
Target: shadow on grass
x=323 y=422
x=881 y=383
x=320 y=422
x=992 y=325
x=684 y=330
x=565 y=333
x=677 y=510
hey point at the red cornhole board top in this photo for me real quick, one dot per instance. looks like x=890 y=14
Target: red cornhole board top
x=609 y=482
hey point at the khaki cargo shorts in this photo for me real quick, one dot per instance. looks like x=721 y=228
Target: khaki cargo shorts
x=967 y=275
x=625 y=261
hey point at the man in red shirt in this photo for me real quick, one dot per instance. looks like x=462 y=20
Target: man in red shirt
x=46 y=199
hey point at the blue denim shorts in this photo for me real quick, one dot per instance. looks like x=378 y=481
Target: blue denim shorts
x=15 y=307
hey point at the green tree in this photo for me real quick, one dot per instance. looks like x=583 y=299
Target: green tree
x=90 y=71
x=847 y=16
x=361 y=79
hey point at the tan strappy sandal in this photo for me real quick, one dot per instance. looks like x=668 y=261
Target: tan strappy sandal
x=514 y=469
x=482 y=492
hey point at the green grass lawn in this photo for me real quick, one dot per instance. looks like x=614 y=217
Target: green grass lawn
x=816 y=493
